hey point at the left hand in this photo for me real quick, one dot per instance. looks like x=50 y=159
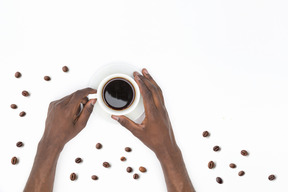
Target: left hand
x=63 y=121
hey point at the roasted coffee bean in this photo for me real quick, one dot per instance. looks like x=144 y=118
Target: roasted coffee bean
x=18 y=74
x=94 y=177
x=219 y=180
x=13 y=106
x=98 y=146
x=25 y=93
x=216 y=148
x=232 y=165
x=19 y=144
x=272 y=177
x=14 y=160
x=129 y=169
x=123 y=158
x=73 y=176
x=142 y=169
x=241 y=173
x=205 y=134
x=22 y=114
x=65 y=69
x=106 y=164
x=78 y=160
x=136 y=176
x=128 y=149
x=244 y=153
x=211 y=165
x=47 y=78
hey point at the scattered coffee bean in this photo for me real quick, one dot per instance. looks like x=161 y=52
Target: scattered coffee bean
x=106 y=164
x=98 y=146
x=142 y=169
x=25 y=93
x=244 y=153
x=73 y=176
x=78 y=160
x=272 y=177
x=205 y=134
x=94 y=177
x=14 y=160
x=128 y=149
x=18 y=74
x=65 y=69
x=216 y=148
x=219 y=180
x=47 y=78
x=136 y=176
x=22 y=114
x=232 y=165
x=19 y=144
x=123 y=158
x=211 y=165
x=129 y=169
x=13 y=106
x=241 y=173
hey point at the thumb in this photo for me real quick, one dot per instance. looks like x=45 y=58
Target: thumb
x=127 y=123
x=86 y=112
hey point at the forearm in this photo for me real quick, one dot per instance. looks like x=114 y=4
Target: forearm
x=174 y=169
x=43 y=171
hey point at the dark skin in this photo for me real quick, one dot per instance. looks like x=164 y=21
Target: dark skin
x=63 y=124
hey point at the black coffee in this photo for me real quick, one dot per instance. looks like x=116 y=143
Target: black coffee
x=118 y=93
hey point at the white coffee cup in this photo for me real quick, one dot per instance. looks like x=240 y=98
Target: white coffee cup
x=100 y=98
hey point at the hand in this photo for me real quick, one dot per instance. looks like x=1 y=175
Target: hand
x=64 y=121
x=155 y=131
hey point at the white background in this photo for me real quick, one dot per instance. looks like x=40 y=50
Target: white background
x=222 y=66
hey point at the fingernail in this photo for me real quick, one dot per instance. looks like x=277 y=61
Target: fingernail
x=115 y=117
x=136 y=74
x=145 y=71
x=93 y=101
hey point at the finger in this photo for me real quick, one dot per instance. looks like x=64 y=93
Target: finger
x=154 y=91
x=150 y=78
x=84 y=100
x=148 y=101
x=85 y=114
x=127 y=123
x=78 y=96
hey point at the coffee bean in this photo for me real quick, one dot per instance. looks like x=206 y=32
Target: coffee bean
x=47 y=78
x=205 y=134
x=18 y=74
x=19 y=144
x=219 y=180
x=272 y=177
x=232 y=165
x=98 y=146
x=22 y=114
x=25 y=93
x=128 y=149
x=78 y=160
x=73 y=176
x=106 y=164
x=13 y=106
x=123 y=158
x=244 y=153
x=94 y=177
x=241 y=173
x=216 y=148
x=136 y=176
x=14 y=160
x=142 y=169
x=211 y=165
x=129 y=169
x=65 y=69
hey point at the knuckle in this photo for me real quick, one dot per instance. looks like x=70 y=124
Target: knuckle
x=148 y=94
x=88 y=109
x=123 y=122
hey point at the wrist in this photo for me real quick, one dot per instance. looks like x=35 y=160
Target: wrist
x=168 y=153
x=49 y=147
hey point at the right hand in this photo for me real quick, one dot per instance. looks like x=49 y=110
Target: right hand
x=156 y=130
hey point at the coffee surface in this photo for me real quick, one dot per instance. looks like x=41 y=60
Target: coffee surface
x=118 y=93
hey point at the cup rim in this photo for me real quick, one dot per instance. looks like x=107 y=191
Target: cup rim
x=118 y=112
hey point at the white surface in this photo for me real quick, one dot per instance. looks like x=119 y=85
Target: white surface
x=221 y=64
